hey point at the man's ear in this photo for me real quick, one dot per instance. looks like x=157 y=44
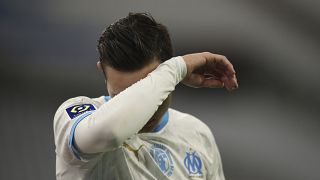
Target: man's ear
x=99 y=66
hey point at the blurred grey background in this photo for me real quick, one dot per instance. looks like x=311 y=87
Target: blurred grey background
x=267 y=129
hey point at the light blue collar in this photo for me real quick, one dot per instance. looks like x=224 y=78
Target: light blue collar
x=107 y=98
x=160 y=126
x=163 y=122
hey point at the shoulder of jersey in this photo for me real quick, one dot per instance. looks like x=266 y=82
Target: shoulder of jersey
x=78 y=105
x=188 y=121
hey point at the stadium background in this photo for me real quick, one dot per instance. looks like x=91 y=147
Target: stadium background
x=268 y=129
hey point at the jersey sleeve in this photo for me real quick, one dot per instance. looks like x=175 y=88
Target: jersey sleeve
x=66 y=119
x=126 y=113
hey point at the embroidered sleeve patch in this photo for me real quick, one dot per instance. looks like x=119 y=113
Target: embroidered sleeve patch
x=77 y=110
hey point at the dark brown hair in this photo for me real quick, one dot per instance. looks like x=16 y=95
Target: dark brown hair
x=133 y=42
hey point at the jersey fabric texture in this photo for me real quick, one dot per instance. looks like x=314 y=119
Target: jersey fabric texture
x=181 y=147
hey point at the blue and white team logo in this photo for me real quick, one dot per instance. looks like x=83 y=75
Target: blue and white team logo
x=193 y=163
x=162 y=157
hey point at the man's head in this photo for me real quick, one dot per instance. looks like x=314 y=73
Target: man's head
x=131 y=48
x=133 y=42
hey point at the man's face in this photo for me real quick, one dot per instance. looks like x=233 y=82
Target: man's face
x=118 y=81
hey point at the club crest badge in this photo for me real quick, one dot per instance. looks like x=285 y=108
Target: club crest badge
x=193 y=163
x=162 y=157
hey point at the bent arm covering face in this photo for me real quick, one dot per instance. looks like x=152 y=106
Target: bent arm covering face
x=125 y=114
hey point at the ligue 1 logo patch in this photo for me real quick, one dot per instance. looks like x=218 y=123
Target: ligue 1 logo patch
x=76 y=110
x=162 y=157
x=193 y=163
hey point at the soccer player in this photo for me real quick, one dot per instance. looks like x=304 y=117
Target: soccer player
x=132 y=133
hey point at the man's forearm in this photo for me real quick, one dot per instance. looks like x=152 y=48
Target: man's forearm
x=125 y=114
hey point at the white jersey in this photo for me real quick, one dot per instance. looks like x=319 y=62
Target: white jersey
x=180 y=146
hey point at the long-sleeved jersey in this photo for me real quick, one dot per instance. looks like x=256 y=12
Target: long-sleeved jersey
x=97 y=138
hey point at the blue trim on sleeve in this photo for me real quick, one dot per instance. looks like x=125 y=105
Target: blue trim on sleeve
x=163 y=122
x=71 y=137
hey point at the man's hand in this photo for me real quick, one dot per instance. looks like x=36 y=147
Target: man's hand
x=209 y=70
